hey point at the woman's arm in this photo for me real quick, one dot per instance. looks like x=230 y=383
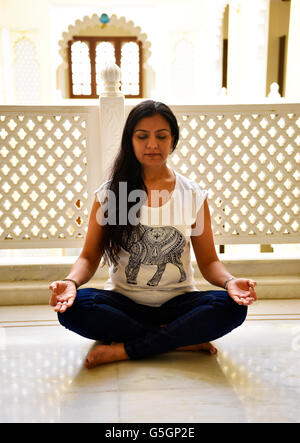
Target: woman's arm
x=88 y=261
x=211 y=268
x=64 y=291
x=205 y=252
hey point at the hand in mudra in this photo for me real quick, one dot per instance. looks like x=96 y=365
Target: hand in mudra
x=241 y=290
x=63 y=295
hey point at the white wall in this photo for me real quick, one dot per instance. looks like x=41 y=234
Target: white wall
x=293 y=65
x=185 y=35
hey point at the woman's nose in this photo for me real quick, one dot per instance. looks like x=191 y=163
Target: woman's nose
x=152 y=142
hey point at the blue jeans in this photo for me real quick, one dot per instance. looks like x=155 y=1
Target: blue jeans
x=190 y=318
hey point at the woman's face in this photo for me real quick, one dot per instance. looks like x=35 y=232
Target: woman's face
x=152 y=141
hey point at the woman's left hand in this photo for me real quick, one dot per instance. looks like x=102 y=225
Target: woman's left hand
x=241 y=290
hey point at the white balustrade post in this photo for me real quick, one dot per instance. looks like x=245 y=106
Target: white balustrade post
x=247 y=49
x=293 y=67
x=111 y=116
x=274 y=92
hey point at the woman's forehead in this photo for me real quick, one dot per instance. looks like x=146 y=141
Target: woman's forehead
x=155 y=122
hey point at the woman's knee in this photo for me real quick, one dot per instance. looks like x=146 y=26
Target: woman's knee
x=239 y=313
x=84 y=300
x=235 y=313
x=65 y=318
x=78 y=319
x=75 y=315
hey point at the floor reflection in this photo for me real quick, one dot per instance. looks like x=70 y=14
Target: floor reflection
x=255 y=377
x=37 y=367
x=263 y=369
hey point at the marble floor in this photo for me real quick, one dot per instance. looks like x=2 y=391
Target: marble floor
x=255 y=377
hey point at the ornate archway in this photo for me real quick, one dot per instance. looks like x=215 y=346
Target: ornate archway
x=118 y=25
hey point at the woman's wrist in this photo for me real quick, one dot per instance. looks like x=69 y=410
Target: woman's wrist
x=71 y=280
x=227 y=281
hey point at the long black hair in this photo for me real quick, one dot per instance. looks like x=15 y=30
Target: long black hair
x=126 y=168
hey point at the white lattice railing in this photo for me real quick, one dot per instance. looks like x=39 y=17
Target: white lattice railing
x=248 y=157
x=48 y=170
x=51 y=160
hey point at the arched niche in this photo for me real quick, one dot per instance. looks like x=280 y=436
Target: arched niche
x=91 y=26
x=26 y=71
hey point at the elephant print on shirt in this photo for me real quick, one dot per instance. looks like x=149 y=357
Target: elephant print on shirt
x=158 y=246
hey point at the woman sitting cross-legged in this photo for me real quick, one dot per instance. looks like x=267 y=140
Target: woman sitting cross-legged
x=143 y=223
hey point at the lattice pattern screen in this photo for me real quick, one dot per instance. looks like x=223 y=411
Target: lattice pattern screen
x=248 y=159
x=27 y=73
x=43 y=177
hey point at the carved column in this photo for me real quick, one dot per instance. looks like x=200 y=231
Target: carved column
x=111 y=116
x=260 y=10
x=248 y=46
x=293 y=66
x=209 y=47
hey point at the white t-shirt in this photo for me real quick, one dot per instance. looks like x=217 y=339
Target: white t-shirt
x=155 y=263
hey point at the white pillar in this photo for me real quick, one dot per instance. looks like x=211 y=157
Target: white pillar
x=209 y=47
x=293 y=66
x=235 y=64
x=7 y=76
x=111 y=117
x=1 y=74
x=259 y=57
x=248 y=49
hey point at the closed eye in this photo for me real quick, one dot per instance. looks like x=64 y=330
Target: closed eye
x=144 y=137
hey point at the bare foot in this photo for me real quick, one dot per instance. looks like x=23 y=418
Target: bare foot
x=101 y=354
x=206 y=347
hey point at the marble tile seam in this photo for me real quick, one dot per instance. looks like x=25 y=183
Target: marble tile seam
x=35 y=323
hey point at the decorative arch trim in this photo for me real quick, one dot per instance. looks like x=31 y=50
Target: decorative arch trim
x=117 y=22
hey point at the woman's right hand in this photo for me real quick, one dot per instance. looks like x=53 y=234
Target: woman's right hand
x=62 y=296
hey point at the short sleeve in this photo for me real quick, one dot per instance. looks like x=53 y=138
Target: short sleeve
x=200 y=196
x=102 y=192
x=190 y=197
x=198 y=223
